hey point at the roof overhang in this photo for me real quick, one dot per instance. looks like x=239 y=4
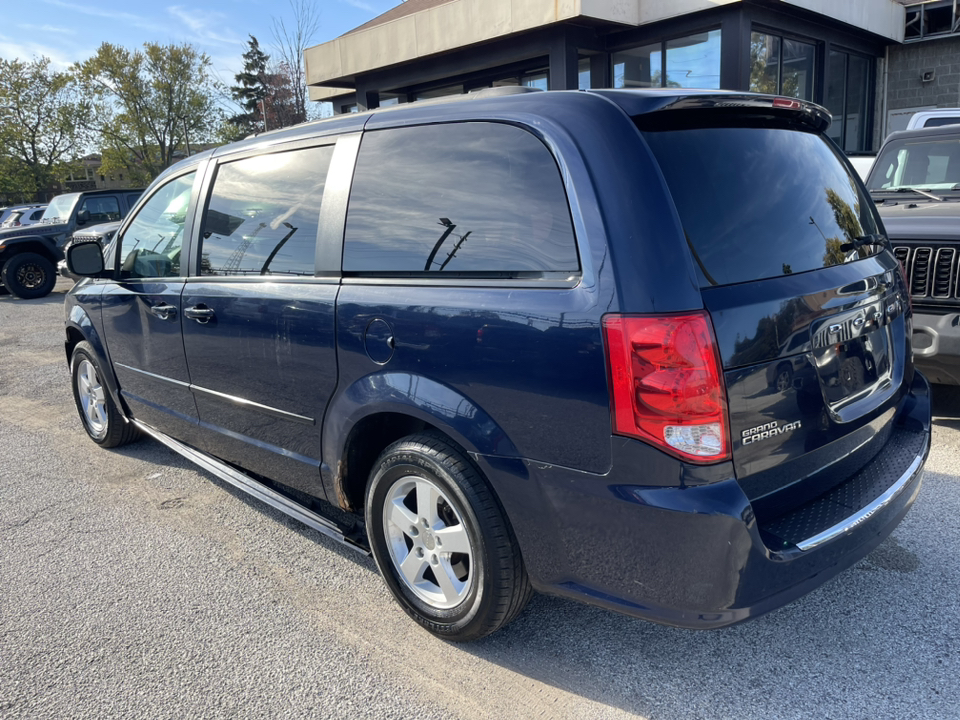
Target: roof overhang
x=333 y=66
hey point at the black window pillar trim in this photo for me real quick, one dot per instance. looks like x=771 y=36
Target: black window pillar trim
x=735 y=29
x=563 y=71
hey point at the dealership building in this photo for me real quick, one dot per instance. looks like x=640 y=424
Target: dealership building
x=871 y=63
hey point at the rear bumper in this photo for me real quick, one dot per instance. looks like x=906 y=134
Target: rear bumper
x=694 y=555
x=936 y=346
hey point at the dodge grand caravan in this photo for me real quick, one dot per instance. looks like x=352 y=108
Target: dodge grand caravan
x=647 y=349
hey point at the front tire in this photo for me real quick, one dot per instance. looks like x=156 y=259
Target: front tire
x=100 y=416
x=442 y=542
x=28 y=276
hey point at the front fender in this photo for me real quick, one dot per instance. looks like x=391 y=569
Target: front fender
x=79 y=323
x=30 y=243
x=419 y=397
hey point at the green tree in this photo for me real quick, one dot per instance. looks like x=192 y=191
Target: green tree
x=148 y=103
x=41 y=111
x=251 y=90
x=847 y=218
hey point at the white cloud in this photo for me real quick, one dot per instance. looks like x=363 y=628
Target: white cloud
x=47 y=29
x=129 y=18
x=205 y=26
x=29 y=49
x=360 y=5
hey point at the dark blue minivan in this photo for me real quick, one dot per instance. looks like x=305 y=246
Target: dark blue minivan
x=648 y=349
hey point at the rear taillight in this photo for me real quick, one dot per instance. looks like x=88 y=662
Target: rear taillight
x=666 y=384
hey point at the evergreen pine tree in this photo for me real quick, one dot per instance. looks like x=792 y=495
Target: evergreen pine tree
x=251 y=89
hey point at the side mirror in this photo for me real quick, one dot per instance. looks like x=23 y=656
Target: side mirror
x=83 y=217
x=85 y=259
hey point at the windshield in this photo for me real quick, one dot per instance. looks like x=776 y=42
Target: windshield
x=60 y=207
x=760 y=202
x=928 y=163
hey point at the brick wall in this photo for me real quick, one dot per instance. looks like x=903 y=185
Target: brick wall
x=907 y=62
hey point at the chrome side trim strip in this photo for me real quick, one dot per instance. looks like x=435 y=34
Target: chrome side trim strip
x=275 y=412
x=178 y=383
x=253 y=488
x=870 y=510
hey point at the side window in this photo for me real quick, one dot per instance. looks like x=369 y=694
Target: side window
x=263 y=214
x=102 y=209
x=464 y=197
x=37 y=214
x=151 y=244
x=132 y=200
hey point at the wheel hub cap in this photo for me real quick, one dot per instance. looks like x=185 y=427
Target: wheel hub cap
x=92 y=398
x=427 y=542
x=30 y=276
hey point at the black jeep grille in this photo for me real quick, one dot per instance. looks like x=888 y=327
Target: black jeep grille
x=932 y=270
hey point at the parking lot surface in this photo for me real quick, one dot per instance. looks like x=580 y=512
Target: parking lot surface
x=133 y=585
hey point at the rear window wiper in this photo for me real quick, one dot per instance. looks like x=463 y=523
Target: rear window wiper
x=908 y=189
x=872 y=239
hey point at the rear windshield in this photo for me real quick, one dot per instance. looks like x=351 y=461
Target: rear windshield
x=760 y=202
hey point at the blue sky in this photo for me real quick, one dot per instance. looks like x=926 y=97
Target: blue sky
x=68 y=31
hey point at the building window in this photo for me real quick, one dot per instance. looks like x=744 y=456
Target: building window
x=440 y=92
x=583 y=74
x=781 y=66
x=692 y=61
x=103 y=178
x=535 y=80
x=848 y=100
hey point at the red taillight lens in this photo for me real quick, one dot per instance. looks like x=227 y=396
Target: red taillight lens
x=782 y=102
x=666 y=385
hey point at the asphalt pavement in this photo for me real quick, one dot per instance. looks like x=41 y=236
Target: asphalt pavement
x=133 y=585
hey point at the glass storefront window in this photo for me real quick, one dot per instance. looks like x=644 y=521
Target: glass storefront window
x=535 y=80
x=640 y=67
x=781 y=66
x=848 y=100
x=583 y=74
x=764 y=63
x=799 y=69
x=692 y=61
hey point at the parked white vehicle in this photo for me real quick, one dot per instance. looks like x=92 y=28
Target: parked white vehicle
x=22 y=216
x=934 y=118
x=862 y=164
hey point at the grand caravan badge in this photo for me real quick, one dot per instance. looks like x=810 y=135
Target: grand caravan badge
x=768 y=430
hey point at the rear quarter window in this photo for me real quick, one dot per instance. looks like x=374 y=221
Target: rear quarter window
x=458 y=198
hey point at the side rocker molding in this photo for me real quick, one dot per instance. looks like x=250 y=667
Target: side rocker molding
x=255 y=489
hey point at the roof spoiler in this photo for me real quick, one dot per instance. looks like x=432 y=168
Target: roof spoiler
x=645 y=103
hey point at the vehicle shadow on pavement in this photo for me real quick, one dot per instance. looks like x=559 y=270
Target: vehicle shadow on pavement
x=875 y=642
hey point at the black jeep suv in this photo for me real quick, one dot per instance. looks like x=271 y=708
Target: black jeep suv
x=916 y=185
x=646 y=349
x=29 y=255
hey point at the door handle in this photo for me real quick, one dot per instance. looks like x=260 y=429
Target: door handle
x=201 y=313
x=164 y=311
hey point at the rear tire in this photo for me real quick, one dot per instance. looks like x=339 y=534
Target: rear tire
x=442 y=542
x=99 y=414
x=29 y=276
